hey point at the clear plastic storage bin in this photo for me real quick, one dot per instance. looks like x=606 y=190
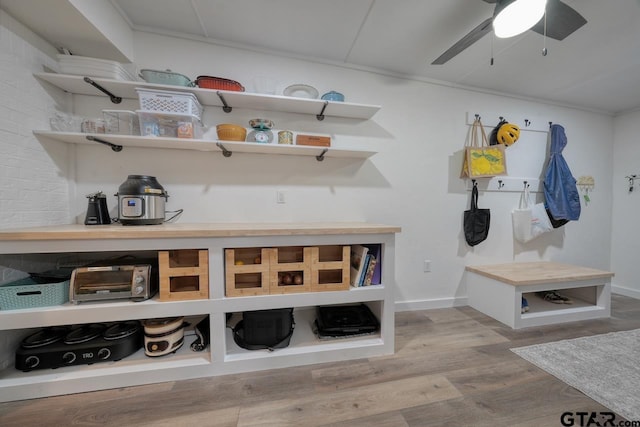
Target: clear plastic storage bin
x=121 y=122
x=169 y=125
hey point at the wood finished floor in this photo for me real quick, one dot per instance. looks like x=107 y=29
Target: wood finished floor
x=451 y=367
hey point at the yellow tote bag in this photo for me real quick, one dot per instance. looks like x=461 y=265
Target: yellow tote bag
x=480 y=158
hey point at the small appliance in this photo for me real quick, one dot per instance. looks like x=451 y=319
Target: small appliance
x=97 y=210
x=136 y=282
x=163 y=336
x=59 y=346
x=141 y=201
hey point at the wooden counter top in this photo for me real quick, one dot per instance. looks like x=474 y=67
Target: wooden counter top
x=117 y=231
x=533 y=273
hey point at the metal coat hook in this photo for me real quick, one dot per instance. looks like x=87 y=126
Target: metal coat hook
x=631 y=179
x=500 y=184
x=526 y=185
x=501 y=118
x=473 y=181
x=550 y=123
x=526 y=123
x=477 y=116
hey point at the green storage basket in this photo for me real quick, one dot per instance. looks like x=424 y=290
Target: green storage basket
x=27 y=293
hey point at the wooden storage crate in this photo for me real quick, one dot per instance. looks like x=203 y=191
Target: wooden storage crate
x=247 y=271
x=330 y=268
x=294 y=261
x=184 y=274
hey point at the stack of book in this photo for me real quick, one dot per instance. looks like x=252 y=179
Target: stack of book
x=365 y=265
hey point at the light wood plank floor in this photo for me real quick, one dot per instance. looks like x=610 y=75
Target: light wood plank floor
x=451 y=367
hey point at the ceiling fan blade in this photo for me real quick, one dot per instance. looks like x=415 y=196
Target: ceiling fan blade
x=562 y=20
x=476 y=34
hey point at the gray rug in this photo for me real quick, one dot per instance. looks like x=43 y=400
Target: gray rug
x=604 y=367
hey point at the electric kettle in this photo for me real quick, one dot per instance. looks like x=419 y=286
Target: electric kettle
x=97 y=211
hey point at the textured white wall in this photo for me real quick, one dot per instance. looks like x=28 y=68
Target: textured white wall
x=34 y=187
x=33 y=179
x=412 y=181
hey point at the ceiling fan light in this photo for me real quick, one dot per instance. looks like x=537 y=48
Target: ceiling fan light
x=513 y=17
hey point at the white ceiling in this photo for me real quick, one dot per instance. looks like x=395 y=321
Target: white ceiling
x=596 y=68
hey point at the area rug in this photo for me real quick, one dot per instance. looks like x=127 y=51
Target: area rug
x=604 y=367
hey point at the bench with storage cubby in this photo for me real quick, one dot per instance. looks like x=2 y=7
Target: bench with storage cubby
x=498 y=291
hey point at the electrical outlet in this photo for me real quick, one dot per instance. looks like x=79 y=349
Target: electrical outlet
x=280 y=197
x=427 y=265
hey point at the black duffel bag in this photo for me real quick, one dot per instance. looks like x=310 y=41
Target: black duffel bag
x=264 y=329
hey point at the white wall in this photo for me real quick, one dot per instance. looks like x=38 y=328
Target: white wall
x=412 y=181
x=625 y=246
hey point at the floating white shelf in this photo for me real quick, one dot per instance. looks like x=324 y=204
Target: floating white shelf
x=203 y=145
x=214 y=98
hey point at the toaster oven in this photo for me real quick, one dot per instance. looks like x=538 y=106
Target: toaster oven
x=98 y=283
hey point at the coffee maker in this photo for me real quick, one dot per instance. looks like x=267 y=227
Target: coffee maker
x=97 y=211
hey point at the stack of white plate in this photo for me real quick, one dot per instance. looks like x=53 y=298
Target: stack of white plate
x=93 y=67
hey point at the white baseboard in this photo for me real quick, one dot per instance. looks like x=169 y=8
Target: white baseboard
x=632 y=293
x=430 y=304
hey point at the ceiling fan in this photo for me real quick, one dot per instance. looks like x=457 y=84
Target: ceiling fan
x=561 y=20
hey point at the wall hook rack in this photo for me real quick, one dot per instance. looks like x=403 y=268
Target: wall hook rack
x=115 y=147
x=114 y=99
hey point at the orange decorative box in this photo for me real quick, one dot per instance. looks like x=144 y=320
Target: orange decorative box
x=319 y=141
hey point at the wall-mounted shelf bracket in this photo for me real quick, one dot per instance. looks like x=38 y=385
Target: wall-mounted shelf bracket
x=225 y=152
x=115 y=147
x=320 y=157
x=225 y=107
x=114 y=99
x=320 y=116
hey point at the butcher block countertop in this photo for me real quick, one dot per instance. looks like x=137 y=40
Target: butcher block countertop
x=534 y=273
x=118 y=231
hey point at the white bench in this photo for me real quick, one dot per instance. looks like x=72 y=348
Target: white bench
x=497 y=291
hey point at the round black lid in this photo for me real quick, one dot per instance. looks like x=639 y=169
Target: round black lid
x=45 y=336
x=141 y=184
x=84 y=333
x=122 y=330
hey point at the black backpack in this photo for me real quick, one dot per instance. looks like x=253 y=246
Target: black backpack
x=264 y=329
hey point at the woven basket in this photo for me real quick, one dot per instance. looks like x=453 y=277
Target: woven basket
x=27 y=293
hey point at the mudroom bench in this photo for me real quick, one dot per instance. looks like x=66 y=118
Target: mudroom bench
x=497 y=291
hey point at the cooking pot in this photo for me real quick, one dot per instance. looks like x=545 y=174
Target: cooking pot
x=141 y=201
x=163 y=336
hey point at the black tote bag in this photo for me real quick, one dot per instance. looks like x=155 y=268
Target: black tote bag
x=476 y=221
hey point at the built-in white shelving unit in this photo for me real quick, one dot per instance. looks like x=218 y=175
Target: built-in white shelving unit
x=222 y=356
